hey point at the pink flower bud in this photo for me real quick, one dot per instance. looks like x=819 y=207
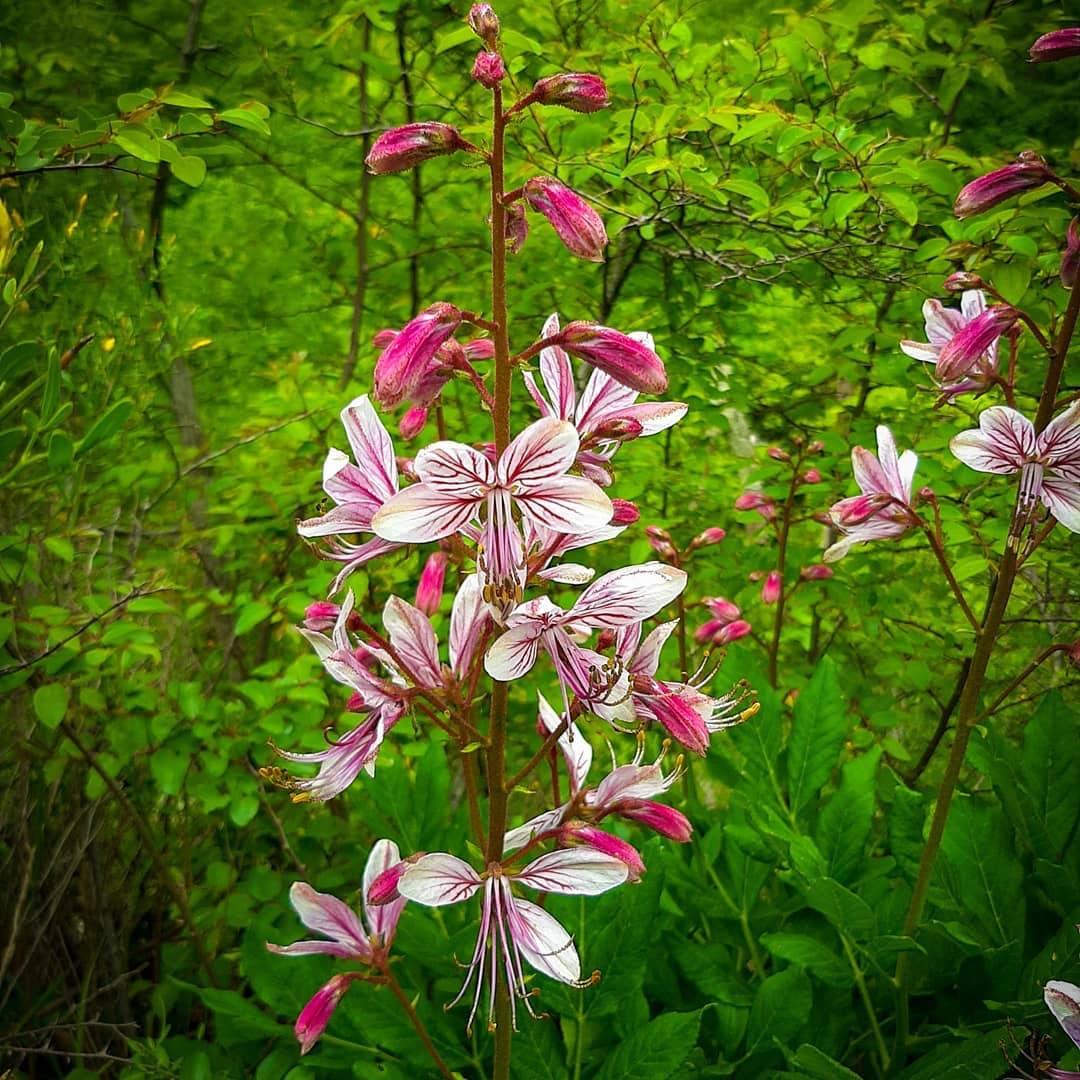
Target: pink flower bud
x=484 y=23
x=626 y=512
x=1070 y=260
x=406 y=147
x=811 y=476
x=1057 y=45
x=732 y=632
x=383 y=338
x=573 y=90
x=321 y=615
x=404 y=361
x=384 y=889
x=412 y=423
x=488 y=69
x=961 y=281
x=618 y=429
x=626 y=359
x=591 y=836
x=707 y=537
x=723 y=608
x=665 y=820
x=660 y=541
x=817 y=572
x=315 y=1015
x=1027 y=172
x=480 y=349
x=777 y=454
x=430 y=588
x=752 y=500
x=755 y=575
x=859 y=508
x=577 y=223
x=816 y=447
x=604 y=641
x=706 y=630
x=770 y=590
x=964 y=349
x=517 y=227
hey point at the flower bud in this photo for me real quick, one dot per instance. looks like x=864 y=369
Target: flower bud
x=430 y=588
x=660 y=542
x=708 y=537
x=816 y=447
x=517 y=227
x=406 y=147
x=811 y=476
x=961 y=281
x=628 y=360
x=573 y=90
x=722 y=608
x=402 y=363
x=626 y=512
x=480 y=349
x=770 y=590
x=1073 y=653
x=604 y=641
x=484 y=23
x=964 y=348
x=817 y=572
x=488 y=69
x=755 y=575
x=1027 y=172
x=732 y=632
x=315 y=1015
x=752 y=500
x=1057 y=45
x=577 y=223
x=412 y=422
x=321 y=615
x=858 y=508
x=665 y=820
x=598 y=840
x=384 y=889
x=383 y=338
x=1070 y=260
x=618 y=429
x=777 y=454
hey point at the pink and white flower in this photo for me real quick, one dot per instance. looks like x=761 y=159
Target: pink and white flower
x=457 y=483
x=883 y=510
x=943 y=326
x=726 y=624
x=609 y=603
x=1063 y=1000
x=358 y=487
x=604 y=403
x=1005 y=442
x=345 y=937
x=513 y=930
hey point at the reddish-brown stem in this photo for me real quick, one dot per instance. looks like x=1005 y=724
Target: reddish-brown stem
x=943 y=561
x=539 y=756
x=1037 y=662
x=414 y=1019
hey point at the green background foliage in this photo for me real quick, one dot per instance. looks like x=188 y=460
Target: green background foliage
x=192 y=265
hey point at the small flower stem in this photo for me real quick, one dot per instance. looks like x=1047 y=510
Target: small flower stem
x=535 y=348
x=1039 y=660
x=414 y=1019
x=539 y=756
x=864 y=993
x=496 y=752
x=968 y=709
x=943 y=561
x=781 y=561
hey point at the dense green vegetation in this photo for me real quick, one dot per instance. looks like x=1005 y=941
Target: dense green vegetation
x=193 y=263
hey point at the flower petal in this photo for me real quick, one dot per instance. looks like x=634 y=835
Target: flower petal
x=573 y=872
x=542 y=823
x=869 y=474
x=566 y=504
x=543 y=451
x=382 y=919
x=603 y=396
x=373 y=450
x=568 y=574
x=469 y=621
x=455 y=469
x=575 y=747
x=1062 y=499
x=513 y=653
x=421 y=513
x=413 y=640
x=1060 y=442
x=628 y=595
x=329 y=916
x=439 y=879
x=647 y=657
x=1003 y=441
x=544 y=942
x=1063 y=1000
x=556 y=372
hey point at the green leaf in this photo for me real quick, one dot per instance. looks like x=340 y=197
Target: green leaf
x=844 y=826
x=190 y=169
x=1050 y=770
x=17 y=357
x=843 y=205
x=781 y=1009
x=817 y=735
x=61 y=451
x=185 y=101
x=236 y=1013
x=61 y=547
x=243 y=809
x=978 y=1058
x=106 y=426
x=245 y=118
x=819 y=1065
x=50 y=703
x=848 y=913
x=251 y=614
x=756 y=127
x=138 y=144
x=51 y=398
x=451 y=39
x=902 y=203
x=810 y=953
x=539 y=1053
x=656 y=1051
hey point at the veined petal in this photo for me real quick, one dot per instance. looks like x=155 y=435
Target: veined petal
x=543 y=942
x=314 y=948
x=628 y=595
x=889 y=460
x=942 y=323
x=469 y=620
x=329 y=916
x=647 y=657
x=556 y=372
x=573 y=872
x=655 y=416
x=439 y=879
x=348 y=518
x=382 y=919
x=568 y=574
x=565 y=504
x=869 y=474
x=575 y=747
x=1003 y=441
x=455 y=469
x=1063 y=1001
x=603 y=396
x=542 y=823
x=542 y=402
x=631 y=782
x=906 y=465
x=413 y=640
x=1060 y=442
x=373 y=451
x=421 y=513
x=513 y=653
x=1062 y=499
x=543 y=451
x=919 y=350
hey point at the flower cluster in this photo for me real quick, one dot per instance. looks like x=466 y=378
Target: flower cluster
x=500 y=517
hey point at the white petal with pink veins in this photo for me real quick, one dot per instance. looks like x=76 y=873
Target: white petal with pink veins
x=327 y=915
x=647 y=658
x=568 y=574
x=543 y=942
x=919 y=350
x=455 y=469
x=543 y=451
x=1060 y=442
x=438 y=879
x=556 y=372
x=421 y=513
x=628 y=595
x=577 y=871
x=869 y=474
x=413 y=640
x=565 y=504
x=514 y=653
x=381 y=919
x=574 y=746
x=373 y=450
x=469 y=619
x=1003 y=441
x=1062 y=499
